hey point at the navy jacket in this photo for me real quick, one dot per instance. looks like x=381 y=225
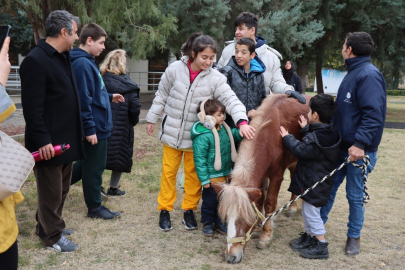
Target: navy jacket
x=361 y=105
x=317 y=155
x=94 y=98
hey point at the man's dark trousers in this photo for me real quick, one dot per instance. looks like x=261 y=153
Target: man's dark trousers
x=53 y=184
x=90 y=170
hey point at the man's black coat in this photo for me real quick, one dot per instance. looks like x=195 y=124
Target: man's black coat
x=50 y=103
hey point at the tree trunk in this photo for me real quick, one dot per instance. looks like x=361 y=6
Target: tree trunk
x=220 y=47
x=38 y=25
x=318 y=73
x=302 y=72
x=395 y=76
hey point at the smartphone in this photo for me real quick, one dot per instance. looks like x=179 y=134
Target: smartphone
x=4 y=32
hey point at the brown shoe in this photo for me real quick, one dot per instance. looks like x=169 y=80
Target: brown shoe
x=352 y=246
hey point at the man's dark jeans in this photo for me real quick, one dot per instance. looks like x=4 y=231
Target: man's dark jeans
x=53 y=184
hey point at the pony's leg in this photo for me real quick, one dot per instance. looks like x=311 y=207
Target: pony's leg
x=260 y=205
x=292 y=209
x=276 y=178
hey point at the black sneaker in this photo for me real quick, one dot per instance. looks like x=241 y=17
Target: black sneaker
x=301 y=243
x=303 y=236
x=102 y=212
x=317 y=250
x=164 y=221
x=221 y=228
x=189 y=220
x=104 y=196
x=208 y=230
x=115 y=192
x=67 y=232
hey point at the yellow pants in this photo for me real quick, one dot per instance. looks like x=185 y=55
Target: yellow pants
x=192 y=186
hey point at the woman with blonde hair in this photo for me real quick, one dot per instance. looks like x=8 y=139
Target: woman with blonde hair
x=125 y=115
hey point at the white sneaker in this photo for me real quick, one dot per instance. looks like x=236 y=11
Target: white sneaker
x=64 y=245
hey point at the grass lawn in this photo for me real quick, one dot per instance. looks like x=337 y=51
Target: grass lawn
x=135 y=242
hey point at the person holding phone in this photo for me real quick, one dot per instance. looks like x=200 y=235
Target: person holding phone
x=8 y=222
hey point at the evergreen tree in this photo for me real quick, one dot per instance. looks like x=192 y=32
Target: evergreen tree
x=138 y=26
x=193 y=16
x=22 y=38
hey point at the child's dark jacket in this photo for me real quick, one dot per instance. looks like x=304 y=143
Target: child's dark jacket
x=317 y=155
x=249 y=88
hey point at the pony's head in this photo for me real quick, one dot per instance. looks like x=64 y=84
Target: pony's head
x=235 y=206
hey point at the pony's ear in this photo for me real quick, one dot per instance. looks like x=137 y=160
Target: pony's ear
x=217 y=187
x=254 y=195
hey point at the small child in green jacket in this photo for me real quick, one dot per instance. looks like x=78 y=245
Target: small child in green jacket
x=214 y=154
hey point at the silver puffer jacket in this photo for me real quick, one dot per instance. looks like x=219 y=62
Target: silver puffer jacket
x=178 y=99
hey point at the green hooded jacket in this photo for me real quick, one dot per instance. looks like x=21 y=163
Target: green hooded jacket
x=204 y=151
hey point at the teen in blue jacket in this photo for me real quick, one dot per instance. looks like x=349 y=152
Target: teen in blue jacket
x=361 y=108
x=96 y=117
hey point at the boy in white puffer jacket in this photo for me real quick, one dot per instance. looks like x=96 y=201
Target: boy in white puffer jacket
x=246 y=26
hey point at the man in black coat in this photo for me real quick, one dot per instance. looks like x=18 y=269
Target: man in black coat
x=52 y=114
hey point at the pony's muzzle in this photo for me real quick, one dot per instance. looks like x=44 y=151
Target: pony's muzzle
x=234 y=257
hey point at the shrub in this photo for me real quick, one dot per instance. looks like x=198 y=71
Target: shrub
x=395 y=93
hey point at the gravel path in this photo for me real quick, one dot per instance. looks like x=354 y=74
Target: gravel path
x=14 y=125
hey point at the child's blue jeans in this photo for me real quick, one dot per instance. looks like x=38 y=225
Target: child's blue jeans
x=209 y=207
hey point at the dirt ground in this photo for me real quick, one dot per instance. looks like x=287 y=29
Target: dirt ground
x=135 y=242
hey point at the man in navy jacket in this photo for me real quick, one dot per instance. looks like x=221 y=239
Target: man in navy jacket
x=361 y=108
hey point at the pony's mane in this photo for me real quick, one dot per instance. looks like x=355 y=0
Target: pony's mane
x=244 y=164
x=235 y=200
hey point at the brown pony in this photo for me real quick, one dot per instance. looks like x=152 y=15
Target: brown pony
x=258 y=159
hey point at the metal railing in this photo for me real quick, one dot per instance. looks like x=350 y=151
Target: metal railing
x=149 y=79
x=13 y=85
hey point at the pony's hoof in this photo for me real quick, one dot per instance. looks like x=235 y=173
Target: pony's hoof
x=290 y=213
x=256 y=234
x=263 y=244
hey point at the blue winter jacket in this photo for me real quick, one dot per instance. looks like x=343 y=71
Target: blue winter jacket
x=94 y=99
x=361 y=105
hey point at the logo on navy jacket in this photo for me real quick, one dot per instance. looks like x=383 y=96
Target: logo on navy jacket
x=348 y=98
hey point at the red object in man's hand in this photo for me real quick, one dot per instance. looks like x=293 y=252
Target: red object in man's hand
x=59 y=149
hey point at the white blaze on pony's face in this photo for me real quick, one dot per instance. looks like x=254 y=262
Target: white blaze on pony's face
x=235 y=205
x=231 y=230
x=234 y=251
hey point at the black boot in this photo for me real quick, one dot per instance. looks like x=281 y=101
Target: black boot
x=301 y=243
x=208 y=230
x=317 y=250
x=164 y=221
x=303 y=235
x=352 y=246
